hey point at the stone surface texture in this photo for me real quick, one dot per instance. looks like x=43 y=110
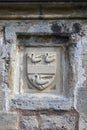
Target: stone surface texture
x=29 y=123
x=8 y=121
x=40 y=102
x=49 y=121
x=43 y=26
x=64 y=122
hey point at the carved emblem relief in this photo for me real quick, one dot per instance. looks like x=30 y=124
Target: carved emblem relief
x=41 y=69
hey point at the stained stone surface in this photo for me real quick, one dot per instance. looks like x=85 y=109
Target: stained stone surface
x=61 y=121
x=2 y=100
x=2 y=93
x=58 y=122
x=83 y=122
x=29 y=123
x=82 y=100
x=74 y=93
x=41 y=102
x=8 y=121
x=2 y=69
x=84 y=60
x=46 y=27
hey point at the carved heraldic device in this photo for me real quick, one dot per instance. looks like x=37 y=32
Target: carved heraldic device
x=41 y=69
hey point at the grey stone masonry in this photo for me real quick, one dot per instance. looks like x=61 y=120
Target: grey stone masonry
x=43 y=65
x=82 y=100
x=49 y=120
x=8 y=121
x=40 y=102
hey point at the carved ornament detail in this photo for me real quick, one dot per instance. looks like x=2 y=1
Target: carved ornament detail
x=41 y=69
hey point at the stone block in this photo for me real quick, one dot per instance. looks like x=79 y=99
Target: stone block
x=8 y=121
x=49 y=121
x=83 y=122
x=2 y=100
x=1 y=72
x=85 y=68
x=82 y=100
x=58 y=122
x=40 y=70
x=29 y=123
x=41 y=102
x=0 y=51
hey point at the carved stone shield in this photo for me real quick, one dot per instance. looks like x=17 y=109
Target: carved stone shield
x=41 y=69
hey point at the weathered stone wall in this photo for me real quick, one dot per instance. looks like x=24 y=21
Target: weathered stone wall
x=62 y=110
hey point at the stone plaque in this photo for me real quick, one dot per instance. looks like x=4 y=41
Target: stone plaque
x=39 y=64
x=39 y=69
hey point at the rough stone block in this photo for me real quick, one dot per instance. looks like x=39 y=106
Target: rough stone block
x=2 y=100
x=83 y=122
x=8 y=121
x=1 y=72
x=40 y=102
x=29 y=123
x=49 y=121
x=85 y=68
x=82 y=100
x=58 y=122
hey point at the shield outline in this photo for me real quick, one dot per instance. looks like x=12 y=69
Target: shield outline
x=52 y=73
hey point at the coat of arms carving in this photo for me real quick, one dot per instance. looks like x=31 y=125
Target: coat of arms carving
x=40 y=63
x=41 y=69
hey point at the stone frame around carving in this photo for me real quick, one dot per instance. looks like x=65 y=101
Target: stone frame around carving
x=35 y=99
x=47 y=48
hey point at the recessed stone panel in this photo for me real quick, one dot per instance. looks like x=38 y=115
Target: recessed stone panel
x=39 y=69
